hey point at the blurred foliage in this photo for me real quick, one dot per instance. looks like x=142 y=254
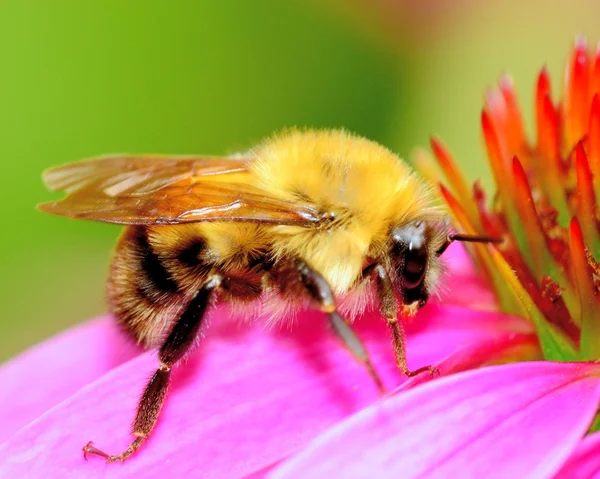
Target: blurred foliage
x=87 y=78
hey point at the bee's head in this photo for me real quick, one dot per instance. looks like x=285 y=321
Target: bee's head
x=415 y=251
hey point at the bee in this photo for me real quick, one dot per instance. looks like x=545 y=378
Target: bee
x=323 y=219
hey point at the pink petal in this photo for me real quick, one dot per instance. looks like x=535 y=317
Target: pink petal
x=463 y=285
x=459 y=261
x=249 y=398
x=52 y=371
x=503 y=347
x=585 y=461
x=516 y=420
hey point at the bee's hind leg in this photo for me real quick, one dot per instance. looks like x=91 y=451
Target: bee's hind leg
x=177 y=345
x=295 y=276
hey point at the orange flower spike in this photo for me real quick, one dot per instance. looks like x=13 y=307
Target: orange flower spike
x=576 y=94
x=594 y=139
x=548 y=139
x=482 y=254
x=456 y=209
x=548 y=167
x=595 y=76
x=500 y=163
x=543 y=88
x=495 y=106
x=588 y=296
x=585 y=197
x=537 y=253
x=513 y=127
x=496 y=156
x=426 y=166
x=491 y=223
x=493 y=120
x=455 y=178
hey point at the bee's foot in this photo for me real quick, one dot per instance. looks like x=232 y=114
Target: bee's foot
x=431 y=369
x=89 y=448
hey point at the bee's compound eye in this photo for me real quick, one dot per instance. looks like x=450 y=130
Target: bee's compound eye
x=409 y=253
x=415 y=263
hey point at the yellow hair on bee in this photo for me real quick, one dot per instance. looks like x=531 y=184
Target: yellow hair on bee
x=363 y=186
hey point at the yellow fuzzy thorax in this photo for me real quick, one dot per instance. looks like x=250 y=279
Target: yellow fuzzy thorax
x=367 y=188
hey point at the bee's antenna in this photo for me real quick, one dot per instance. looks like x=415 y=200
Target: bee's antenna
x=467 y=239
x=473 y=238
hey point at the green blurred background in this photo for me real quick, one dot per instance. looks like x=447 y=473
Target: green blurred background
x=81 y=79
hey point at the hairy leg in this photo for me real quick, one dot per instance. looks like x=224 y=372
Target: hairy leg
x=296 y=277
x=176 y=346
x=389 y=310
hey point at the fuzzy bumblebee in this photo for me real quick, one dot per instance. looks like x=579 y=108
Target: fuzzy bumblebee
x=322 y=219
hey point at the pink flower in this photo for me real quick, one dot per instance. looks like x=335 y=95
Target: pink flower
x=502 y=421
x=248 y=400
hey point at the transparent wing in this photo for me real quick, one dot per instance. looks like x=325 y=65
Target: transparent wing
x=167 y=190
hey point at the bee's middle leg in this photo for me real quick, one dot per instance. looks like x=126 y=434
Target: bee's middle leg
x=295 y=276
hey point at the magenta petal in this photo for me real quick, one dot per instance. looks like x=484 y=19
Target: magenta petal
x=514 y=420
x=459 y=262
x=585 y=460
x=501 y=348
x=439 y=331
x=48 y=373
x=463 y=285
x=248 y=399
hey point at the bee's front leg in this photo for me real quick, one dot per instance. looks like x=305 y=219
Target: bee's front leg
x=389 y=310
